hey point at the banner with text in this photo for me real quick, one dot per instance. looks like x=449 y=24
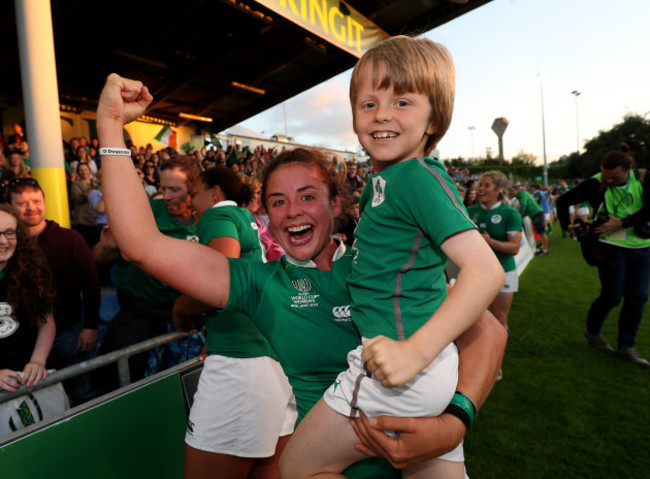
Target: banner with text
x=349 y=31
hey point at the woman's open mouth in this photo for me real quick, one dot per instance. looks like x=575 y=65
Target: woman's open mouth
x=299 y=235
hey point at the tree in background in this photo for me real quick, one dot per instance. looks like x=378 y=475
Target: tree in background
x=634 y=130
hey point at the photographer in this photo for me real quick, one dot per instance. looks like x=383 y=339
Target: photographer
x=620 y=199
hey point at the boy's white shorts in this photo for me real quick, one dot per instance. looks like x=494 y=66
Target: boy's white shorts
x=428 y=394
x=241 y=407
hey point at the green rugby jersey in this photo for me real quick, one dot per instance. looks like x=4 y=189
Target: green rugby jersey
x=232 y=333
x=498 y=222
x=397 y=281
x=145 y=287
x=304 y=313
x=528 y=205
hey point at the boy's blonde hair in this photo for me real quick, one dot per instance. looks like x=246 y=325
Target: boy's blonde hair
x=416 y=65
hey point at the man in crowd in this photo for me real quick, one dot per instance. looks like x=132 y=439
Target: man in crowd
x=76 y=311
x=620 y=198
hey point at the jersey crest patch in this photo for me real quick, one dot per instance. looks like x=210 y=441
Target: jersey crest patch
x=378 y=191
x=496 y=219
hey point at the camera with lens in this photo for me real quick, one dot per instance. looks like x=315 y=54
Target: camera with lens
x=593 y=250
x=583 y=230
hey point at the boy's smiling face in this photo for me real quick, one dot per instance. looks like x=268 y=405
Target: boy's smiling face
x=391 y=127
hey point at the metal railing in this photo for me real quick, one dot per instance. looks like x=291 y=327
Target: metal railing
x=121 y=357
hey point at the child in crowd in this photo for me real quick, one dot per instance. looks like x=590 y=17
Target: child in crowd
x=412 y=221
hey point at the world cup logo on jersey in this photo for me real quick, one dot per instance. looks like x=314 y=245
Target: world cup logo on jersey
x=302 y=285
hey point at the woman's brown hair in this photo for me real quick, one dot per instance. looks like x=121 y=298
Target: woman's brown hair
x=29 y=281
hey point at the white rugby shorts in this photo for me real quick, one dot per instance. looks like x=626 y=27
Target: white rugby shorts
x=512 y=282
x=428 y=394
x=241 y=407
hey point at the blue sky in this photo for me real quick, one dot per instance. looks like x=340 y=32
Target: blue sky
x=599 y=48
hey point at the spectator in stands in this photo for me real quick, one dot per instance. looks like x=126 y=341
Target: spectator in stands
x=16 y=167
x=155 y=159
x=83 y=215
x=251 y=200
x=352 y=180
x=82 y=156
x=23 y=148
x=470 y=198
x=26 y=298
x=96 y=201
x=240 y=359
x=146 y=303
x=347 y=221
x=149 y=189
x=76 y=310
x=150 y=174
x=528 y=207
x=313 y=338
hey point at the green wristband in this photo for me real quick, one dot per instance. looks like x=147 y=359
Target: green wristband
x=463 y=408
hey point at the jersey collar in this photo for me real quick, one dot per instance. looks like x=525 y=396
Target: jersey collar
x=493 y=207
x=340 y=251
x=224 y=203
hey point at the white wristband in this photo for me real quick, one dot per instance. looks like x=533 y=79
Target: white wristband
x=114 y=151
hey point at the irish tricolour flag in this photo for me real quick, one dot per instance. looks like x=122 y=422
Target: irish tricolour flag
x=167 y=137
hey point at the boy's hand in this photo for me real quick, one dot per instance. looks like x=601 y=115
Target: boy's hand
x=393 y=363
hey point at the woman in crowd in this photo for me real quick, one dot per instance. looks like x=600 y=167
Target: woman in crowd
x=500 y=225
x=83 y=213
x=252 y=201
x=240 y=362
x=27 y=327
x=82 y=156
x=16 y=167
x=470 y=197
x=300 y=303
x=151 y=176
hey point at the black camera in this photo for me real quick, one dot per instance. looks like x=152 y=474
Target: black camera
x=593 y=250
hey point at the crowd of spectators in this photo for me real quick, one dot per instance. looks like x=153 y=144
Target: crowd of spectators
x=83 y=175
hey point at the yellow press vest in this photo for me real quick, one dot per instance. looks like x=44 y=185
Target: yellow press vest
x=622 y=202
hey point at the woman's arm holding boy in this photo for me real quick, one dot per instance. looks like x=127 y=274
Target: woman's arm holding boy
x=481 y=350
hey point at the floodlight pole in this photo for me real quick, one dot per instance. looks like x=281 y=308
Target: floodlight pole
x=576 y=93
x=471 y=133
x=541 y=91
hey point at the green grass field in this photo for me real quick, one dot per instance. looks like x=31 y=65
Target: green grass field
x=563 y=410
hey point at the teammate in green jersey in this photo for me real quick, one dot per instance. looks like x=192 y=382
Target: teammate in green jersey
x=500 y=225
x=228 y=437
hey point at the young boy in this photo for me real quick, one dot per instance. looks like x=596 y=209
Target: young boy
x=412 y=220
